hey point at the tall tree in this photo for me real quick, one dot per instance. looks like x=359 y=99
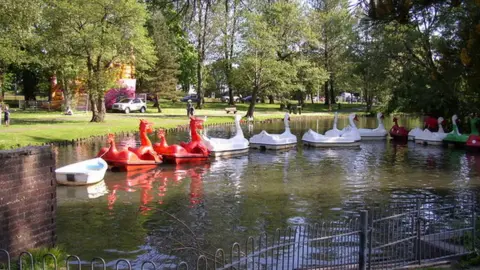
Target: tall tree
x=332 y=25
x=178 y=16
x=161 y=79
x=18 y=26
x=438 y=39
x=103 y=33
x=205 y=34
x=372 y=64
x=259 y=68
x=229 y=38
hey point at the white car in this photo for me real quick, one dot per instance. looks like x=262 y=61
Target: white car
x=128 y=105
x=227 y=98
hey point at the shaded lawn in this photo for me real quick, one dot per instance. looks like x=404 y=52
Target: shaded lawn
x=264 y=107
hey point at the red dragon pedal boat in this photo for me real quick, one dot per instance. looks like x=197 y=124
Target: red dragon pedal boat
x=397 y=132
x=193 y=151
x=132 y=158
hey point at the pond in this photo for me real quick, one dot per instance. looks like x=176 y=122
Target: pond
x=144 y=215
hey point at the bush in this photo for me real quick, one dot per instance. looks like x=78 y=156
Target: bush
x=39 y=256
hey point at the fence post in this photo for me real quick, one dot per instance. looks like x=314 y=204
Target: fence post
x=362 y=255
x=370 y=240
x=474 y=226
x=418 y=234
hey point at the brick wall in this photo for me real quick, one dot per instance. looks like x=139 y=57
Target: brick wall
x=27 y=199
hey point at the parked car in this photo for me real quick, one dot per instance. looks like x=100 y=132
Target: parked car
x=193 y=98
x=227 y=98
x=249 y=98
x=128 y=105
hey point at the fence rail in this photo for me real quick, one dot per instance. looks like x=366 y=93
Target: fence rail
x=376 y=240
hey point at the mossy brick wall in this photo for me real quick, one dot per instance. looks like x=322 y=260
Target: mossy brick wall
x=27 y=199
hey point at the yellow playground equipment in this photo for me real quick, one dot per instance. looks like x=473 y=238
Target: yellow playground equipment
x=56 y=93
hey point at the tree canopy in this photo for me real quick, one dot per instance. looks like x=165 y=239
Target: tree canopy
x=409 y=56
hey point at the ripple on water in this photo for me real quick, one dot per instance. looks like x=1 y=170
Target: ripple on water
x=229 y=199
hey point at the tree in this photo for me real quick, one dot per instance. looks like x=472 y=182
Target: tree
x=259 y=67
x=439 y=38
x=229 y=37
x=310 y=77
x=103 y=33
x=332 y=26
x=18 y=21
x=177 y=21
x=215 y=78
x=205 y=34
x=161 y=79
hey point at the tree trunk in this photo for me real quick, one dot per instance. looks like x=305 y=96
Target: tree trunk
x=102 y=110
x=156 y=104
x=327 y=93
x=227 y=56
x=251 y=107
x=93 y=104
x=366 y=95
x=199 y=83
x=202 y=21
x=369 y=104
x=271 y=100
x=67 y=95
x=186 y=87
x=332 y=92
x=29 y=85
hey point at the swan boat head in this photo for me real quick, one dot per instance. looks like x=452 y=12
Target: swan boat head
x=286 y=120
x=353 y=117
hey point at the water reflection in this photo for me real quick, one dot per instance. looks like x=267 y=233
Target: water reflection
x=230 y=199
x=153 y=184
x=72 y=194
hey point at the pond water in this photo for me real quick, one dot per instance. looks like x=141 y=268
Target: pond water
x=144 y=215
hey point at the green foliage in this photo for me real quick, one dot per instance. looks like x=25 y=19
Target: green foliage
x=433 y=65
x=331 y=33
x=101 y=35
x=259 y=67
x=161 y=79
x=17 y=30
x=40 y=256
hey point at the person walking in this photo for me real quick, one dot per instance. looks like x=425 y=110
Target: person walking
x=6 y=116
x=190 y=108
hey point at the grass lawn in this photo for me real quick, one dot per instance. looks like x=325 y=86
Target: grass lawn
x=34 y=127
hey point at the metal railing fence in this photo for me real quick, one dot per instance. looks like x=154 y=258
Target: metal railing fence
x=392 y=238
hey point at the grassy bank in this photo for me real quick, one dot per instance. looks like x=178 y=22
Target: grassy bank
x=34 y=128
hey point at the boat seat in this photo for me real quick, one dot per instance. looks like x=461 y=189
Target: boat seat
x=231 y=109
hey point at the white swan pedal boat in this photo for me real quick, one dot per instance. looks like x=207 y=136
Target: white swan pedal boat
x=379 y=133
x=349 y=137
x=86 y=172
x=432 y=138
x=264 y=140
x=414 y=133
x=237 y=145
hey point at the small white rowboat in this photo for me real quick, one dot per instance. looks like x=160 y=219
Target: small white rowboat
x=86 y=172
